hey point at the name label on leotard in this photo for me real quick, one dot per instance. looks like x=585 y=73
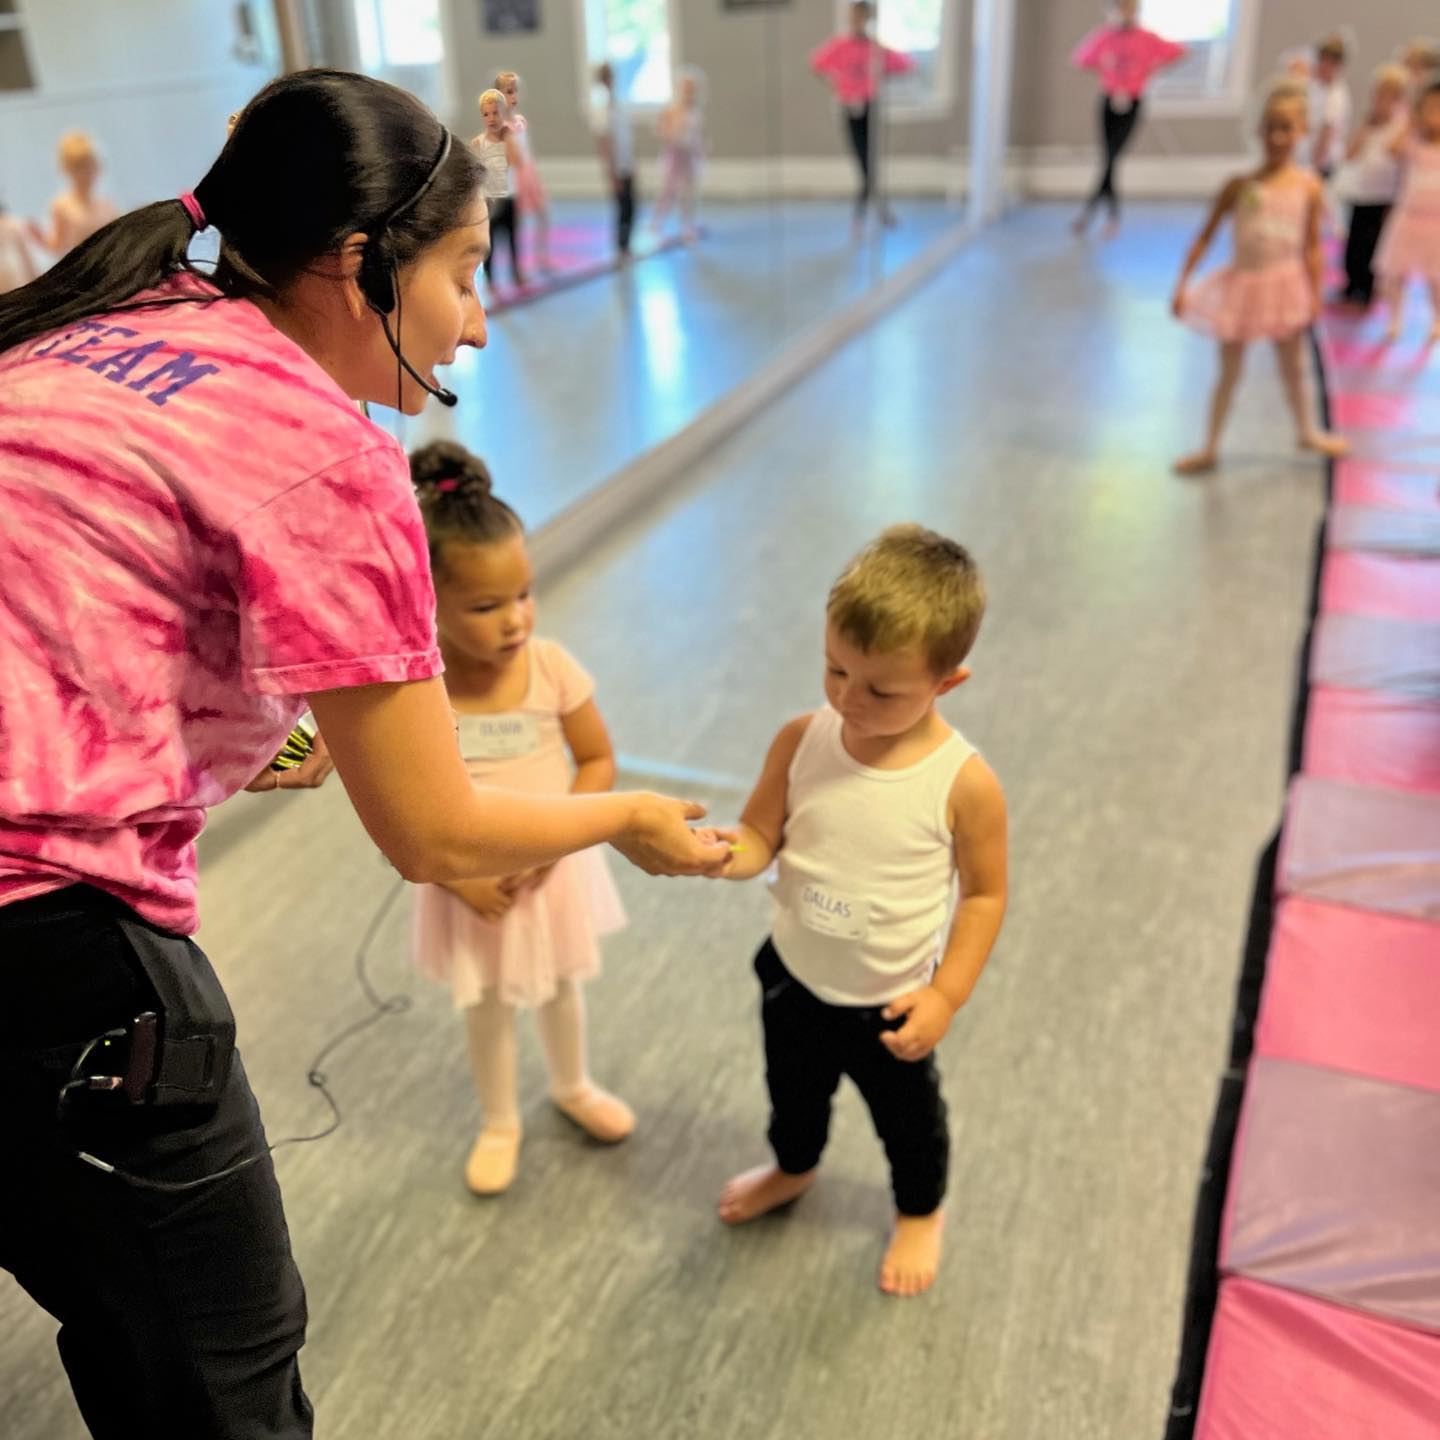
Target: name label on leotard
x=830 y=912
x=498 y=737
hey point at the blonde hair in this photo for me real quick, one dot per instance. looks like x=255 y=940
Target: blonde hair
x=497 y=97
x=1391 y=75
x=1286 y=91
x=911 y=587
x=76 y=145
x=504 y=75
x=1421 y=53
x=1332 y=47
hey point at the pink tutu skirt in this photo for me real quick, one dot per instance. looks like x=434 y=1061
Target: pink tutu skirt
x=551 y=934
x=529 y=192
x=1271 y=303
x=1409 y=246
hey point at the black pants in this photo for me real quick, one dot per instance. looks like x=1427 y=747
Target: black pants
x=857 y=125
x=1116 y=128
x=181 y=1316
x=504 y=221
x=624 y=212
x=1366 y=223
x=809 y=1045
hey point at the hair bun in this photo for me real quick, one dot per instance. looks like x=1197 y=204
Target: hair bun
x=445 y=466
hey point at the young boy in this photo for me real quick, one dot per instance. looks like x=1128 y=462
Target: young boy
x=1370 y=179
x=1329 y=108
x=873 y=807
x=77 y=213
x=615 y=145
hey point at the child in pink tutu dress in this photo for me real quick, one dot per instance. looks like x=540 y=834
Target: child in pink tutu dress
x=1271 y=289
x=1410 y=244
x=526 y=720
x=529 y=193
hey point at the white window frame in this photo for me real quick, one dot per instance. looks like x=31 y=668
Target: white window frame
x=647 y=111
x=386 y=63
x=1230 y=98
x=14 y=24
x=900 y=110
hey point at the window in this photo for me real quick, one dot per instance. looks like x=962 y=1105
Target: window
x=637 y=38
x=921 y=30
x=925 y=30
x=1219 y=36
x=396 y=33
x=15 y=71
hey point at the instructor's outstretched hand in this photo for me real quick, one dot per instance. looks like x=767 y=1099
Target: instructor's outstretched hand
x=661 y=842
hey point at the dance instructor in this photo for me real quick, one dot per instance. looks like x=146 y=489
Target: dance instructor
x=200 y=535
x=1125 y=55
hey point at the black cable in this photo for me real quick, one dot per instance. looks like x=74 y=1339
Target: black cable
x=380 y=1007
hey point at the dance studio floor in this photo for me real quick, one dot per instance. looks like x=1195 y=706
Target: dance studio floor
x=1132 y=687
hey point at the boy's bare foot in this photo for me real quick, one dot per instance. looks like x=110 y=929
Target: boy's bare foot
x=913 y=1259
x=491 y=1166
x=1325 y=442
x=1202 y=462
x=1111 y=230
x=1081 y=223
x=601 y=1115
x=759 y=1191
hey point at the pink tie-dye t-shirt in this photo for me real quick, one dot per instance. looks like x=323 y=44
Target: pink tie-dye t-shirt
x=197 y=527
x=849 y=63
x=1125 y=57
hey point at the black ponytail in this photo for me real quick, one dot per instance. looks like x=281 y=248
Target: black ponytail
x=314 y=157
x=129 y=254
x=457 y=499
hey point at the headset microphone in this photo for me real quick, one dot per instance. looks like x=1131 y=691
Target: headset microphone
x=444 y=396
x=379 y=279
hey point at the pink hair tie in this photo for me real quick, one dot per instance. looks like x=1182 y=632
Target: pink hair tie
x=192 y=208
x=446 y=486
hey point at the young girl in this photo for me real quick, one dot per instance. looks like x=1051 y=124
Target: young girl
x=1411 y=242
x=1421 y=59
x=1124 y=55
x=500 y=153
x=529 y=193
x=17 y=267
x=682 y=133
x=1271 y=290
x=1371 y=178
x=852 y=65
x=527 y=720
x=77 y=213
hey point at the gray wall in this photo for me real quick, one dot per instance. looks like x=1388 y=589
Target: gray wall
x=762 y=98
x=1054 y=105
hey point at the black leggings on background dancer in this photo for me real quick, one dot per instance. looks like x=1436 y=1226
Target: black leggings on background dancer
x=857 y=124
x=504 y=224
x=1117 y=127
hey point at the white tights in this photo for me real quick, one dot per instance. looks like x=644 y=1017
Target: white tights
x=490 y=1028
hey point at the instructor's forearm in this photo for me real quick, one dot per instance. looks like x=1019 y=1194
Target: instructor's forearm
x=500 y=832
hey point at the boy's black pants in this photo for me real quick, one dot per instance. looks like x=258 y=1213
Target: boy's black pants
x=809 y=1045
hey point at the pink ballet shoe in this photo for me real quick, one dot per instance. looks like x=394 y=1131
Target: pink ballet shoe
x=490 y=1170
x=601 y=1115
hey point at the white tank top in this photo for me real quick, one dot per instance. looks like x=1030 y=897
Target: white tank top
x=863 y=881
x=495 y=157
